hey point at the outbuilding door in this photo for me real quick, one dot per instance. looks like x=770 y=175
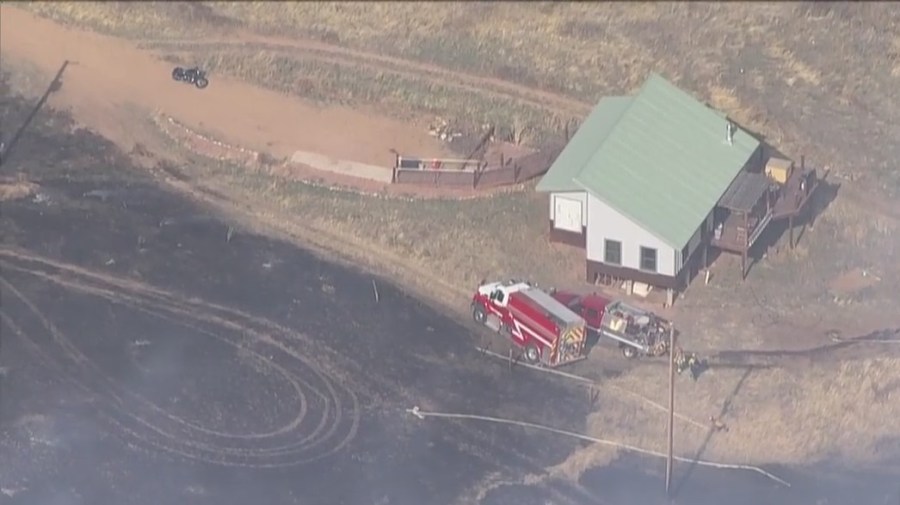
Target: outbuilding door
x=567 y=214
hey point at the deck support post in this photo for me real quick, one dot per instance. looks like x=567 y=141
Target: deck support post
x=811 y=211
x=791 y=228
x=746 y=247
x=744 y=264
x=704 y=256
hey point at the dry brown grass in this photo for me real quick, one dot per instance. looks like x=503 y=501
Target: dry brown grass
x=795 y=68
x=148 y=19
x=14 y=190
x=451 y=243
x=845 y=412
x=789 y=73
x=842 y=410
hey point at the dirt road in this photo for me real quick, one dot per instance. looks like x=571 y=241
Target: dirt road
x=108 y=75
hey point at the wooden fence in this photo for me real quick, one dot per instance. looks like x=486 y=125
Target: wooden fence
x=470 y=173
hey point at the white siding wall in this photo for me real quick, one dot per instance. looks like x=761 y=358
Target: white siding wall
x=581 y=196
x=606 y=223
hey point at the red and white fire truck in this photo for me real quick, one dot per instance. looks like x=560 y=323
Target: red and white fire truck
x=549 y=332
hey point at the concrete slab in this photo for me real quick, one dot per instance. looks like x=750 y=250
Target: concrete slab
x=352 y=168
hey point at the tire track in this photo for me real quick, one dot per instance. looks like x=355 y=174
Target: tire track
x=266 y=335
x=301 y=439
x=329 y=53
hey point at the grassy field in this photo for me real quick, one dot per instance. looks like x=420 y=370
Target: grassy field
x=461 y=254
x=776 y=74
x=816 y=415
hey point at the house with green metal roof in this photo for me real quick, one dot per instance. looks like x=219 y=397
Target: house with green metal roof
x=637 y=184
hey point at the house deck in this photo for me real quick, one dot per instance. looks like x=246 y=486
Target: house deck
x=748 y=204
x=739 y=232
x=739 y=235
x=796 y=193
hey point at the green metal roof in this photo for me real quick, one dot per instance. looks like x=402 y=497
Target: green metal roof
x=598 y=125
x=663 y=162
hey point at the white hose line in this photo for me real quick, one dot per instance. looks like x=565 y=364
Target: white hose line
x=422 y=415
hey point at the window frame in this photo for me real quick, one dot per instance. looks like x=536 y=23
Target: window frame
x=641 y=258
x=606 y=243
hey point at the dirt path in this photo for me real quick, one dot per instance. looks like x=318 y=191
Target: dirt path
x=346 y=56
x=108 y=74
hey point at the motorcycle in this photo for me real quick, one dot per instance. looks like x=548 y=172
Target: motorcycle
x=191 y=75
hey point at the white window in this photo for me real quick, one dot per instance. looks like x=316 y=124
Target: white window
x=612 y=252
x=648 y=259
x=567 y=214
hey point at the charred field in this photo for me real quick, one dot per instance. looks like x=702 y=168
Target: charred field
x=141 y=337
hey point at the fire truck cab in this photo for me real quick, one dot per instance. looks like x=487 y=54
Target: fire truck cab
x=549 y=332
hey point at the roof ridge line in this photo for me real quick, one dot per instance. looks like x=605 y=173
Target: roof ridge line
x=650 y=78
x=606 y=139
x=577 y=178
x=626 y=214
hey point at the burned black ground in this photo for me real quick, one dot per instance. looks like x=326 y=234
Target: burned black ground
x=75 y=414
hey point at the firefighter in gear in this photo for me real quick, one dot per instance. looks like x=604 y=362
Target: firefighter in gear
x=687 y=361
x=695 y=365
x=680 y=360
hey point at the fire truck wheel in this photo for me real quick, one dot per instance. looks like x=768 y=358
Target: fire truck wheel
x=478 y=315
x=629 y=352
x=531 y=354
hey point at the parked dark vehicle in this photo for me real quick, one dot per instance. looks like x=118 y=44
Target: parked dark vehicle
x=191 y=75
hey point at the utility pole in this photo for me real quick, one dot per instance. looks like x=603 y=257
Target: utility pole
x=671 y=425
